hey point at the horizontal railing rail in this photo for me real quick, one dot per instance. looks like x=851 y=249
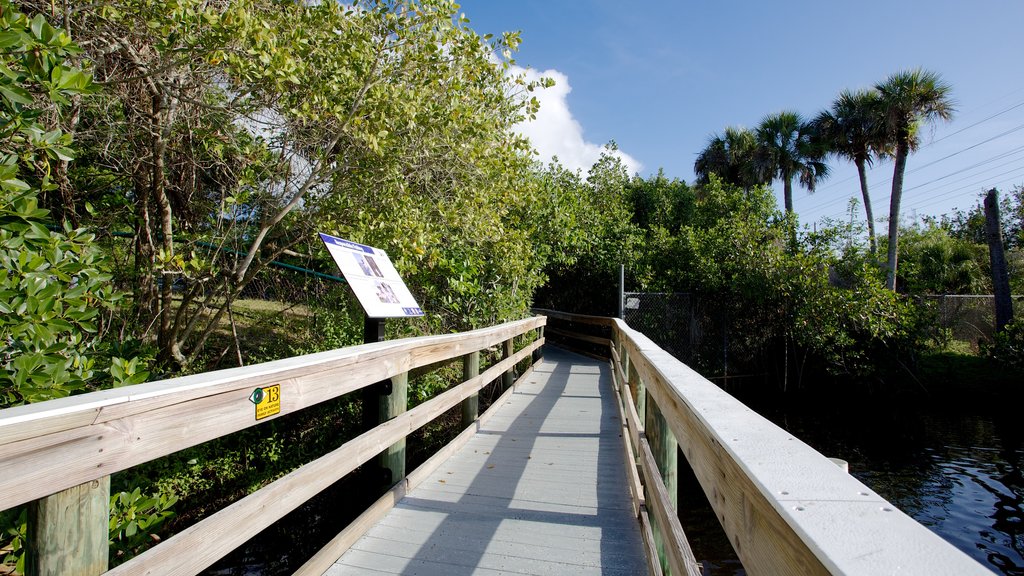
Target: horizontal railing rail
x=785 y=508
x=66 y=447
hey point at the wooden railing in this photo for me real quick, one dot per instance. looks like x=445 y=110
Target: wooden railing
x=785 y=508
x=58 y=455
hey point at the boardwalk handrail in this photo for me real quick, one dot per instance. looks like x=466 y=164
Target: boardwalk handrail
x=65 y=444
x=785 y=508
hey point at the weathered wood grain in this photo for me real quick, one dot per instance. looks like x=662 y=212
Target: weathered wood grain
x=203 y=543
x=50 y=446
x=785 y=508
x=654 y=568
x=471 y=405
x=662 y=503
x=636 y=488
x=67 y=532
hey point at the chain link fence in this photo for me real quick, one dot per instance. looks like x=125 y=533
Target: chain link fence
x=292 y=285
x=969 y=319
x=719 y=340
x=693 y=328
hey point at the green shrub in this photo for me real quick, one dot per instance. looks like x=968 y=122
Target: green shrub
x=1008 y=347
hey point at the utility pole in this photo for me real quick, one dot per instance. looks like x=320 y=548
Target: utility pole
x=997 y=257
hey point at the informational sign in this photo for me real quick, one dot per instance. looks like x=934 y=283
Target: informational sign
x=373 y=278
x=267 y=401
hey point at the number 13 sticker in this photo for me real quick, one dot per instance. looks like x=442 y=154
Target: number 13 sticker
x=267 y=401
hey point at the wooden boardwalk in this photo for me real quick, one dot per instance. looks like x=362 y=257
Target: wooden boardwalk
x=540 y=489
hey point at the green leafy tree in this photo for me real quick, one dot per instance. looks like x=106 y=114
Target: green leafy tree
x=851 y=129
x=908 y=99
x=605 y=237
x=970 y=225
x=230 y=132
x=54 y=286
x=660 y=202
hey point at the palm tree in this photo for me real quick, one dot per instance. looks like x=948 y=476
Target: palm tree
x=908 y=99
x=731 y=157
x=852 y=129
x=785 y=150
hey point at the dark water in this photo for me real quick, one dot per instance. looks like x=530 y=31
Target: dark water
x=957 y=470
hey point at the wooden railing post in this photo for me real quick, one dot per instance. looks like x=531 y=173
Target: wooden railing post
x=665 y=449
x=636 y=388
x=470 y=406
x=508 y=348
x=68 y=532
x=538 y=354
x=392 y=405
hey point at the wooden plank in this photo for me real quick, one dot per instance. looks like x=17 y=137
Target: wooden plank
x=471 y=405
x=67 y=532
x=326 y=556
x=507 y=349
x=43 y=418
x=200 y=545
x=677 y=548
x=538 y=490
x=636 y=488
x=636 y=425
x=338 y=545
x=581 y=318
x=389 y=406
x=653 y=564
x=577 y=350
x=785 y=508
x=618 y=365
x=580 y=336
x=45 y=447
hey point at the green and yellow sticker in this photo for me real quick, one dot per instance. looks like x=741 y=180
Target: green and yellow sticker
x=267 y=401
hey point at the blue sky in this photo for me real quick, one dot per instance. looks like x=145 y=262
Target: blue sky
x=660 y=77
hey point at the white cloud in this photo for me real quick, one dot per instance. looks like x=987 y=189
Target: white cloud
x=556 y=133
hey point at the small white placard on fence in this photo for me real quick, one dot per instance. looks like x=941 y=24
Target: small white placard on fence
x=373 y=279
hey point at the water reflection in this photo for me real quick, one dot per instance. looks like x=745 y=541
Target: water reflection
x=957 y=473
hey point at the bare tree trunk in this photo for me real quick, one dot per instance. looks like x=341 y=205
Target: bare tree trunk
x=868 y=213
x=996 y=255
x=145 y=251
x=894 y=212
x=165 y=107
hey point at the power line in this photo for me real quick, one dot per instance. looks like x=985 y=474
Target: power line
x=988 y=178
x=979 y=122
x=937 y=199
x=986 y=141
x=831 y=202
x=962 y=170
x=1014 y=107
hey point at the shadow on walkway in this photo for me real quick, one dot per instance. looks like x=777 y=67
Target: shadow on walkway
x=540 y=489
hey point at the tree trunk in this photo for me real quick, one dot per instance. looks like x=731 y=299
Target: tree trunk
x=145 y=251
x=787 y=194
x=894 y=211
x=1000 y=276
x=165 y=109
x=868 y=213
